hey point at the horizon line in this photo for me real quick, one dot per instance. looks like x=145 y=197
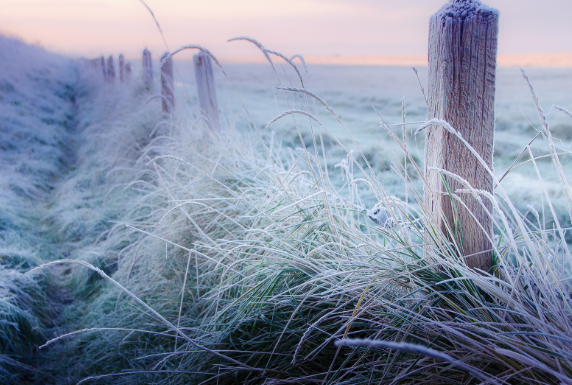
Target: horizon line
x=547 y=60
x=543 y=60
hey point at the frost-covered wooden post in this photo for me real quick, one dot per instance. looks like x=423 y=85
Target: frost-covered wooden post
x=110 y=70
x=121 y=68
x=206 y=89
x=462 y=65
x=147 y=69
x=127 y=72
x=167 y=87
x=102 y=65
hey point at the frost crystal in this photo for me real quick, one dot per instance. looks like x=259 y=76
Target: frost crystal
x=462 y=8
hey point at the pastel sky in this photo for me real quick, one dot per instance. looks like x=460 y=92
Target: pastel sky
x=307 y=27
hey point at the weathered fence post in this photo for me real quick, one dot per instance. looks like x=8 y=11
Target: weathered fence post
x=110 y=70
x=167 y=86
x=128 y=72
x=147 y=69
x=121 y=68
x=462 y=65
x=206 y=89
x=102 y=64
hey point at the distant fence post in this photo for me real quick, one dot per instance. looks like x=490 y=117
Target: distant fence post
x=121 y=68
x=206 y=89
x=167 y=86
x=463 y=38
x=110 y=70
x=147 y=69
x=102 y=64
x=127 y=72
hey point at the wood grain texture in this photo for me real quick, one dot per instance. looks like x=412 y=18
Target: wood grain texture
x=463 y=39
x=147 y=69
x=121 y=68
x=167 y=87
x=110 y=70
x=206 y=89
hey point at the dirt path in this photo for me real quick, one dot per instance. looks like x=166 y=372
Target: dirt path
x=48 y=202
x=74 y=216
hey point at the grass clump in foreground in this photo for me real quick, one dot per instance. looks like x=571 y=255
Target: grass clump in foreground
x=241 y=263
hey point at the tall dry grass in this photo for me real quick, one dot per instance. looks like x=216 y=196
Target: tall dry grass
x=242 y=261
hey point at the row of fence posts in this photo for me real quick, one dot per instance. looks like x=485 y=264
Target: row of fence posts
x=463 y=40
x=203 y=72
x=108 y=69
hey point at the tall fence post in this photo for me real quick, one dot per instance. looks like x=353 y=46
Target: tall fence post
x=110 y=70
x=121 y=68
x=167 y=86
x=463 y=38
x=206 y=89
x=147 y=69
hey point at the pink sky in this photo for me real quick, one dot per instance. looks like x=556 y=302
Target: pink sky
x=343 y=31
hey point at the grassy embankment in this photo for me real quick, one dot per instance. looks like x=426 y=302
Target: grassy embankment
x=226 y=259
x=36 y=109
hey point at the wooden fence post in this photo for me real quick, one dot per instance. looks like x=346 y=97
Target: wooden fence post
x=102 y=64
x=121 y=68
x=127 y=72
x=147 y=69
x=463 y=39
x=167 y=86
x=206 y=89
x=110 y=70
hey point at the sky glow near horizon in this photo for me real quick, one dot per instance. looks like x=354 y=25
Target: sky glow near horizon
x=346 y=28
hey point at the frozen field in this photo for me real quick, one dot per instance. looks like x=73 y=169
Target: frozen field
x=354 y=91
x=138 y=247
